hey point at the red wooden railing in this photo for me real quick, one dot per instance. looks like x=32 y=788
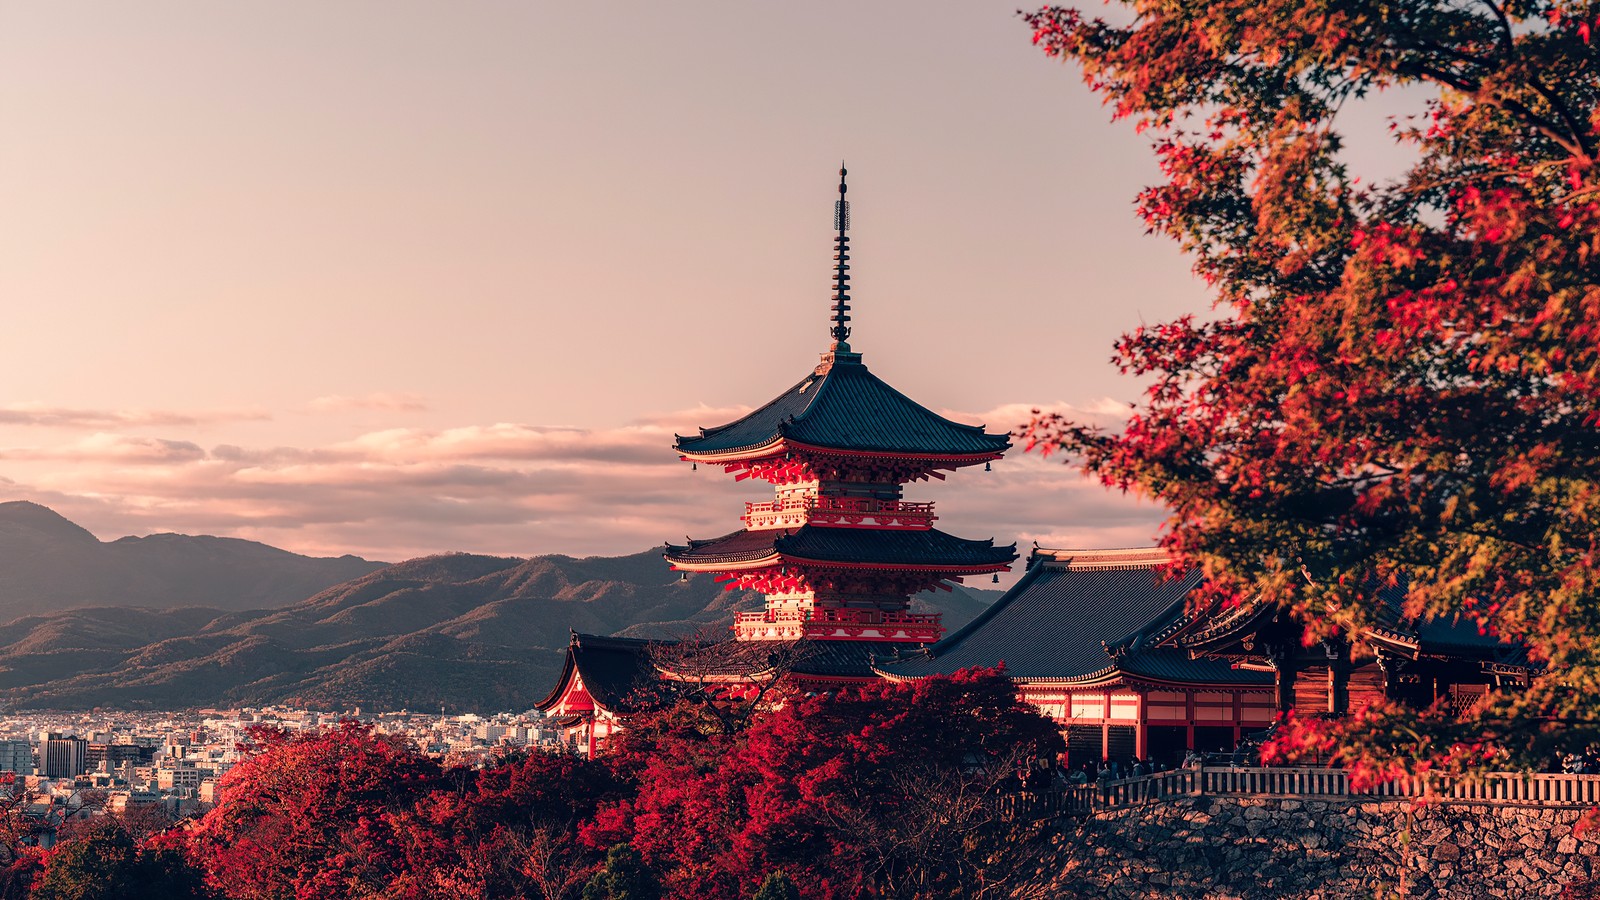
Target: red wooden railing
x=837 y=617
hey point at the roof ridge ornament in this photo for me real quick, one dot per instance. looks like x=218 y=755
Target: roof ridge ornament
x=839 y=351
x=841 y=256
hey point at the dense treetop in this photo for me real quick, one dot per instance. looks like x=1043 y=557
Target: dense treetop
x=1400 y=381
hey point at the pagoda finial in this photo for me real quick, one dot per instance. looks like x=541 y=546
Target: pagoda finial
x=841 y=283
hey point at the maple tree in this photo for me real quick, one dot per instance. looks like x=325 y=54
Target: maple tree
x=314 y=814
x=885 y=789
x=1400 y=383
x=509 y=829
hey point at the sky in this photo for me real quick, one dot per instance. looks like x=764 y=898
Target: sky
x=397 y=278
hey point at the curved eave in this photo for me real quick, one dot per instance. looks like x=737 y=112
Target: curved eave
x=1117 y=675
x=568 y=669
x=766 y=674
x=1391 y=640
x=772 y=559
x=1110 y=675
x=1228 y=631
x=970 y=569
x=772 y=447
x=778 y=559
x=777 y=447
x=950 y=459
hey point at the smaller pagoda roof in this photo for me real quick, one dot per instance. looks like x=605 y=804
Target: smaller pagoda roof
x=1080 y=616
x=623 y=675
x=843 y=406
x=616 y=672
x=914 y=548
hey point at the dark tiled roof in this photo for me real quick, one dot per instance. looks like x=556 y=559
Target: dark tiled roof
x=847 y=408
x=1457 y=636
x=806 y=656
x=739 y=546
x=1058 y=621
x=839 y=659
x=615 y=671
x=930 y=547
x=621 y=674
x=1453 y=636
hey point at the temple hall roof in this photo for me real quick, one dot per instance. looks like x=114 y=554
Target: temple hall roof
x=929 y=548
x=843 y=406
x=615 y=671
x=1079 y=617
x=1458 y=636
x=1450 y=637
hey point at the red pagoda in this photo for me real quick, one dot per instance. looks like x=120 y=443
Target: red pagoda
x=838 y=550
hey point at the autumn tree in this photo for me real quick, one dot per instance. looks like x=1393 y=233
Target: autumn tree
x=315 y=814
x=105 y=863
x=509 y=829
x=1400 y=380
x=884 y=789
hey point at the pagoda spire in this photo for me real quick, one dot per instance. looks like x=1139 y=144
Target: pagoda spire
x=841 y=282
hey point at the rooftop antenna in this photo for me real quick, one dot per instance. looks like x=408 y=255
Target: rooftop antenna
x=841 y=283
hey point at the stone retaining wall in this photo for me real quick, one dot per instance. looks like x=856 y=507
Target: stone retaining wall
x=1236 y=848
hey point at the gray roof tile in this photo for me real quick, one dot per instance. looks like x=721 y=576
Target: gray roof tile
x=847 y=408
x=1057 y=622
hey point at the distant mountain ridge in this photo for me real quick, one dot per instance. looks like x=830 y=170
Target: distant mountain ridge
x=467 y=631
x=49 y=564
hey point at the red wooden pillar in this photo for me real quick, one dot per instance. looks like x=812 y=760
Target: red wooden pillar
x=1188 y=719
x=1105 y=728
x=1141 y=730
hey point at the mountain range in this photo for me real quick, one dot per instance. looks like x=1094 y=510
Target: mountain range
x=464 y=631
x=48 y=564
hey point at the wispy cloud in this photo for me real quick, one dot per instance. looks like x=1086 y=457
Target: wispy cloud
x=507 y=488
x=386 y=401
x=41 y=415
x=112 y=448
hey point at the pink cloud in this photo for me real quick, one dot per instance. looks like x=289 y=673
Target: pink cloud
x=41 y=415
x=118 y=448
x=509 y=489
x=387 y=401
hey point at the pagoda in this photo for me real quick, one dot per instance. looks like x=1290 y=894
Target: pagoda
x=839 y=550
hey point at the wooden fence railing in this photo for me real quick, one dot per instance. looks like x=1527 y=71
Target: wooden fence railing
x=1511 y=788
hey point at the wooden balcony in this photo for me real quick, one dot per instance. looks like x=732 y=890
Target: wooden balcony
x=838 y=624
x=852 y=511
